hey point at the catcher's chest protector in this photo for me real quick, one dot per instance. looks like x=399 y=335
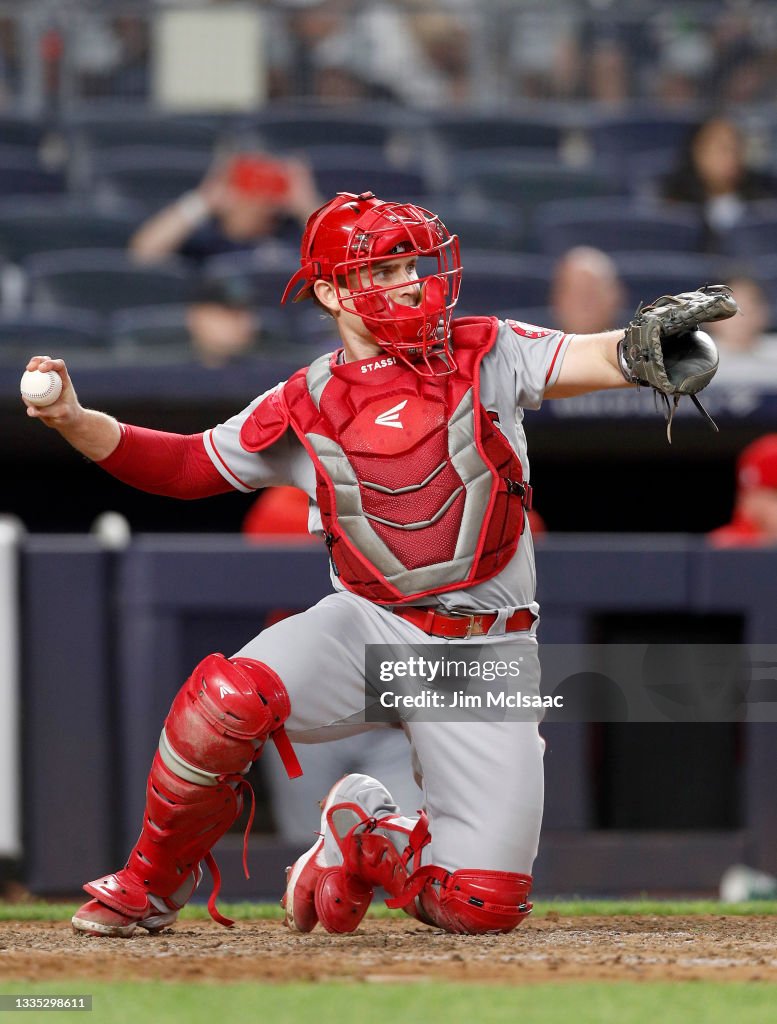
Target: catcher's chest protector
x=419 y=492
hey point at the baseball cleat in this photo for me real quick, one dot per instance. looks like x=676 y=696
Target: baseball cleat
x=94 y=918
x=361 y=797
x=302 y=877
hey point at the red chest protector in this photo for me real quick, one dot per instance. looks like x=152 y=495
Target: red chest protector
x=419 y=493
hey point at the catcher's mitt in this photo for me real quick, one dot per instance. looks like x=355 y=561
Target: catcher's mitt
x=662 y=348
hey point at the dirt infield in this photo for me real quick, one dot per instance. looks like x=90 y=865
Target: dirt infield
x=544 y=949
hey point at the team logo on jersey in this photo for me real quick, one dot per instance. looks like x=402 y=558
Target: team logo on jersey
x=390 y=418
x=528 y=330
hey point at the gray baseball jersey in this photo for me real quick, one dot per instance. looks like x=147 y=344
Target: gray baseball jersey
x=514 y=375
x=482 y=781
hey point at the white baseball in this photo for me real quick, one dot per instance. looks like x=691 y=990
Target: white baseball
x=41 y=388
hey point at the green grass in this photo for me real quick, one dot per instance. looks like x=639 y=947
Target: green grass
x=594 y=1003
x=41 y=911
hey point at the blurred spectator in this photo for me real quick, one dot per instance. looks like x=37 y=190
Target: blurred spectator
x=586 y=293
x=414 y=52
x=242 y=202
x=110 y=55
x=712 y=173
x=744 y=333
x=754 y=521
x=222 y=325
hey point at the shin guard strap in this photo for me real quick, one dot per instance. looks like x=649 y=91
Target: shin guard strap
x=286 y=753
x=216 y=876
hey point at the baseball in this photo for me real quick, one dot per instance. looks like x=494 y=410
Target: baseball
x=41 y=388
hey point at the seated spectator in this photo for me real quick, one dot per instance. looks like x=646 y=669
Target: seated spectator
x=221 y=323
x=246 y=200
x=747 y=351
x=754 y=521
x=586 y=293
x=712 y=173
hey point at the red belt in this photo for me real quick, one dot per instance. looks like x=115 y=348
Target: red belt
x=462 y=627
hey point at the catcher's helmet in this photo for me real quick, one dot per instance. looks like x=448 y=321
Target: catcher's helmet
x=343 y=242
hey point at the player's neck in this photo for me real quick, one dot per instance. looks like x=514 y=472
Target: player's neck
x=357 y=348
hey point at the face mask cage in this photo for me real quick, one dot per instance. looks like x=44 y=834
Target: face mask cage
x=418 y=334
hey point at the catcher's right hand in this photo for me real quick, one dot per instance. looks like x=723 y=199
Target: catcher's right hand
x=663 y=349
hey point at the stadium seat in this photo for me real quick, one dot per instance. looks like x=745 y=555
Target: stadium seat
x=131 y=126
x=614 y=136
x=148 y=334
x=71 y=333
x=494 y=282
x=525 y=182
x=22 y=131
x=476 y=131
x=480 y=224
x=357 y=169
x=302 y=326
x=101 y=280
x=648 y=275
x=21 y=173
x=282 y=127
x=267 y=269
x=151 y=175
x=756 y=234
x=612 y=224
x=30 y=225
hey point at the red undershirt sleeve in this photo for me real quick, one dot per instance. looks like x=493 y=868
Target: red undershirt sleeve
x=173 y=465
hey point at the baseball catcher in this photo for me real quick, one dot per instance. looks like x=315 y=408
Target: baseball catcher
x=409 y=441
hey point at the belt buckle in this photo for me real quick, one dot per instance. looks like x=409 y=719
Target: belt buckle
x=471 y=630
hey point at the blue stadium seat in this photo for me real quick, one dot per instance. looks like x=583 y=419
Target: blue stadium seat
x=491 y=282
x=21 y=173
x=29 y=225
x=614 y=136
x=150 y=334
x=303 y=326
x=151 y=175
x=459 y=132
x=71 y=333
x=613 y=224
x=526 y=182
x=22 y=131
x=298 y=126
x=357 y=169
x=267 y=269
x=764 y=270
x=480 y=224
x=648 y=275
x=756 y=233
x=102 y=280
x=132 y=126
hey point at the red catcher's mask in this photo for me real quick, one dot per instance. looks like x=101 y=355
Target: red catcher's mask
x=343 y=243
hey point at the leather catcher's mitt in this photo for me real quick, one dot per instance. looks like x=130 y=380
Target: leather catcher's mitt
x=662 y=348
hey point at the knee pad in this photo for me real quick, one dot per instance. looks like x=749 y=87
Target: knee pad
x=222 y=717
x=473 y=902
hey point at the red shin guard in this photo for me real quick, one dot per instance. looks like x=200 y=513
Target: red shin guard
x=216 y=728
